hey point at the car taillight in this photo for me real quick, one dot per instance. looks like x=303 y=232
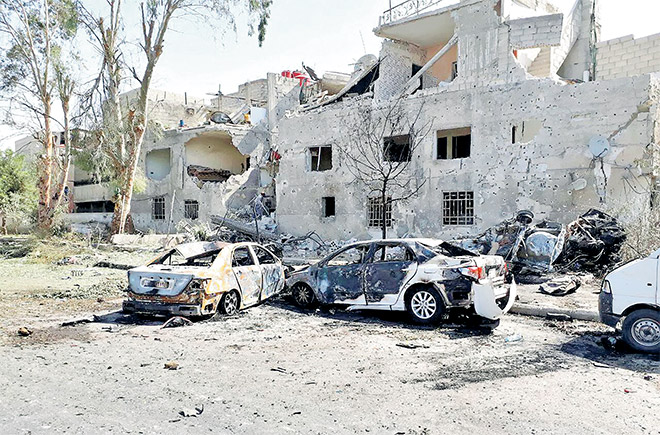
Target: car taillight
x=198 y=284
x=475 y=272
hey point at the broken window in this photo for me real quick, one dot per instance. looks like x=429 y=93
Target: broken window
x=95 y=207
x=458 y=208
x=354 y=255
x=328 y=203
x=454 y=144
x=397 y=148
x=526 y=130
x=392 y=253
x=454 y=70
x=415 y=70
x=191 y=209
x=375 y=212
x=264 y=256
x=158 y=208
x=321 y=158
x=242 y=257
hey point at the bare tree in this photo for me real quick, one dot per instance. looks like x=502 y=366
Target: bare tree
x=35 y=31
x=121 y=132
x=378 y=149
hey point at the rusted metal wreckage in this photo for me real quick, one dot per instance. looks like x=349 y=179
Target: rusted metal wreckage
x=202 y=278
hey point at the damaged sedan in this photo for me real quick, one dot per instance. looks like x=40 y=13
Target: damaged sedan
x=202 y=278
x=427 y=278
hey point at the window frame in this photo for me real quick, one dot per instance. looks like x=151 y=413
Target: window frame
x=258 y=248
x=156 y=201
x=186 y=205
x=405 y=156
x=450 y=137
x=468 y=218
x=389 y=220
x=319 y=148
x=250 y=253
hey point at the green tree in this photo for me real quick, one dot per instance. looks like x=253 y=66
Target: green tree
x=17 y=188
x=121 y=132
x=32 y=77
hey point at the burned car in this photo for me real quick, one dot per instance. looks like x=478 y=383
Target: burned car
x=202 y=278
x=428 y=278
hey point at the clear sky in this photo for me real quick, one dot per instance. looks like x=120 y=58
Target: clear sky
x=328 y=35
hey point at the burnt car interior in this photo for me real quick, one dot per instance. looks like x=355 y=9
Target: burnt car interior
x=174 y=258
x=242 y=257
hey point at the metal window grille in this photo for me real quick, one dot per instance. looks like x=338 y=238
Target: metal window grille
x=191 y=209
x=158 y=208
x=458 y=208
x=375 y=213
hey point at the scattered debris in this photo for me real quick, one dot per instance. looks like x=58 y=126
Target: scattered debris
x=175 y=322
x=513 y=338
x=412 y=345
x=601 y=365
x=560 y=286
x=278 y=369
x=24 y=332
x=77 y=322
x=109 y=265
x=171 y=365
x=192 y=412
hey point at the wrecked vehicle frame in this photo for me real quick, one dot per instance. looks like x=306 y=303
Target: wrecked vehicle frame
x=202 y=278
x=425 y=277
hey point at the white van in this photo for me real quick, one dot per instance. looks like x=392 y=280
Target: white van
x=630 y=293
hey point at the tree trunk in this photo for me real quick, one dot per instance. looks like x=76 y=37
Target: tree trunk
x=45 y=167
x=383 y=198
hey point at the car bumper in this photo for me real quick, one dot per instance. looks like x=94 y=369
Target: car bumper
x=485 y=300
x=161 y=308
x=605 y=310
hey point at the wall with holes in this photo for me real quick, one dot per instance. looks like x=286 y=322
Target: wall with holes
x=551 y=171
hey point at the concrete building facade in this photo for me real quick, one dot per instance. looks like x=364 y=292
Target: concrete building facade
x=517 y=113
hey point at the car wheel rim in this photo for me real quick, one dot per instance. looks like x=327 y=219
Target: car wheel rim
x=646 y=332
x=231 y=303
x=423 y=305
x=302 y=295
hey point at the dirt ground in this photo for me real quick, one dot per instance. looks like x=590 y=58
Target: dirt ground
x=275 y=369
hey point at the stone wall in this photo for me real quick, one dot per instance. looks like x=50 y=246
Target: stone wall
x=536 y=31
x=626 y=56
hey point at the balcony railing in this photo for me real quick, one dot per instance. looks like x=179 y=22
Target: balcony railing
x=409 y=8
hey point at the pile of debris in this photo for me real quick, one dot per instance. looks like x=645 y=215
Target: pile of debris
x=591 y=243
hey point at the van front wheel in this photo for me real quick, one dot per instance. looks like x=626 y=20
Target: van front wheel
x=641 y=330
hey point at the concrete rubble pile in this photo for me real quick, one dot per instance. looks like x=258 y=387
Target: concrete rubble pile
x=591 y=243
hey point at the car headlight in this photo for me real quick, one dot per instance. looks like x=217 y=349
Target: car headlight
x=606 y=288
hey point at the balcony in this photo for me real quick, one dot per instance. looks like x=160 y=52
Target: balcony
x=410 y=8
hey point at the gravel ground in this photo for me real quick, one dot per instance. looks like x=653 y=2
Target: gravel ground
x=274 y=369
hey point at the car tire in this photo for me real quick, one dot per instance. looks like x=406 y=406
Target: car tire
x=230 y=303
x=641 y=330
x=303 y=295
x=425 y=305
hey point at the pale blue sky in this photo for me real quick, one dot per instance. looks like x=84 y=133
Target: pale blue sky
x=328 y=35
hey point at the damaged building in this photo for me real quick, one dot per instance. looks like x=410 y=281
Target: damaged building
x=524 y=107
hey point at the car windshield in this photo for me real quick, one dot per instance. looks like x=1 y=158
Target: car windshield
x=446 y=249
x=174 y=258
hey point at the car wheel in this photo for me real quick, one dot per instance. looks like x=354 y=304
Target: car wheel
x=303 y=295
x=641 y=330
x=230 y=303
x=425 y=305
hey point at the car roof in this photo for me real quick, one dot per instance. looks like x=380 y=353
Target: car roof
x=423 y=241
x=196 y=249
